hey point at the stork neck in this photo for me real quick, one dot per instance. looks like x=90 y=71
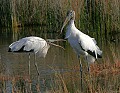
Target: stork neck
x=70 y=28
x=71 y=22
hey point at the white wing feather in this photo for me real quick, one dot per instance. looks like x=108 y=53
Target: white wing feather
x=88 y=43
x=15 y=46
x=38 y=45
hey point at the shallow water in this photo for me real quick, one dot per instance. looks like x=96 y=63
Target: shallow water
x=56 y=61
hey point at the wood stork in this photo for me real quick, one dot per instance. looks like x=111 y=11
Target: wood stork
x=33 y=44
x=80 y=42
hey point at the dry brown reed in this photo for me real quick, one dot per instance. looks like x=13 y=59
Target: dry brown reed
x=91 y=15
x=103 y=78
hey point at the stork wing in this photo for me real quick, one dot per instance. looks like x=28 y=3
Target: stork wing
x=27 y=44
x=94 y=40
x=88 y=44
x=34 y=43
x=16 y=46
x=22 y=45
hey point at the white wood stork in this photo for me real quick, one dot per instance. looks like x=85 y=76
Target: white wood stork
x=80 y=42
x=33 y=44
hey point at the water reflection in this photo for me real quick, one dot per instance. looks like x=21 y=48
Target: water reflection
x=56 y=61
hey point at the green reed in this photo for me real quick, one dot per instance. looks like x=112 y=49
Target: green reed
x=91 y=15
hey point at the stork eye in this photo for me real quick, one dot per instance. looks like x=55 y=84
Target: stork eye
x=69 y=12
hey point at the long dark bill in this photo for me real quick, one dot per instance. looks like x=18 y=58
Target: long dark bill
x=64 y=24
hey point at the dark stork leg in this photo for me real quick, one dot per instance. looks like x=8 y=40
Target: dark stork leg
x=88 y=67
x=35 y=63
x=81 y=74
x=38 y=79
x=29 y=65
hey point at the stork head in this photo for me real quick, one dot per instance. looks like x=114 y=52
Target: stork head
x=70 y=16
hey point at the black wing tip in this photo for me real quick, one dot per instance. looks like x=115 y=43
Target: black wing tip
x=93 y=54
x=9 y=50
x=99 y=56
x=20 y=50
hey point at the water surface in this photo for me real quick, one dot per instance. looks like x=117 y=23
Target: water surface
x=57 y=60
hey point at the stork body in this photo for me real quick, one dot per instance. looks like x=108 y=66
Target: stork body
x=81 y=43
x=30 y=44
x=33 y=44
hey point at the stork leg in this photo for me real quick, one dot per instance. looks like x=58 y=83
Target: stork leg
x=29 y=64
x=88 y=67
x=36 y=65
x=38 y=79
x=81 y=74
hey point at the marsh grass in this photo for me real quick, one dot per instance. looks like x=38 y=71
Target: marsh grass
x=103 y=81
x=91 y=15
x=104 y=77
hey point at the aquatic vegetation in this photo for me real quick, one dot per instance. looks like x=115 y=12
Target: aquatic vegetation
x=91 y=15
x=104 y=77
